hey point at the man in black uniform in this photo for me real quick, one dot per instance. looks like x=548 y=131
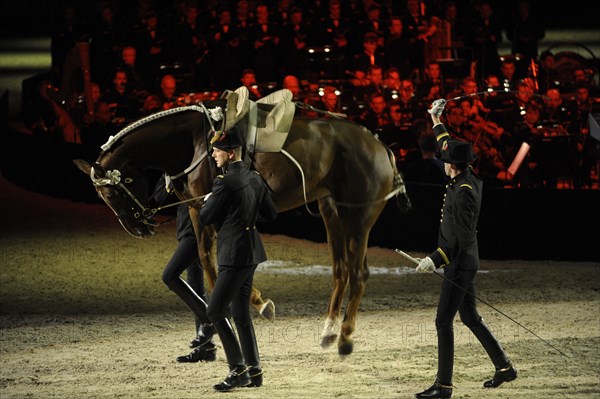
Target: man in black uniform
x=239 y=198
x=191 y=292
x=458 y=253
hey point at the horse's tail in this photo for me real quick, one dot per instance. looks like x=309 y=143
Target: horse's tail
x=402 y=200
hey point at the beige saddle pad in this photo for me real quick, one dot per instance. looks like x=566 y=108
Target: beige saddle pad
x=268 y=119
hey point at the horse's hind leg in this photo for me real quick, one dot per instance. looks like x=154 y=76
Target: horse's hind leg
x=335 y=241
x=358 y=276
x=266 y=308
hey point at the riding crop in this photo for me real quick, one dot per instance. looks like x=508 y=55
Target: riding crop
x=416 y=261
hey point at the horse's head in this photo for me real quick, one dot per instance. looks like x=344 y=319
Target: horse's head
x=126 y=193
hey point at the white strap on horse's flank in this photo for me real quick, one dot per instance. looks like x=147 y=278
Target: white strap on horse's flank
x=287 y=154
x=393 y=193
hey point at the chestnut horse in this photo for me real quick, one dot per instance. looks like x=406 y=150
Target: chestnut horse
x=339 y=164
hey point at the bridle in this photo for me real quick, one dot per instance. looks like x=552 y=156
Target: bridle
x=139 y=212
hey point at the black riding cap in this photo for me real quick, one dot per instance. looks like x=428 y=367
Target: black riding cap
x=226 y=140
x=457 y=151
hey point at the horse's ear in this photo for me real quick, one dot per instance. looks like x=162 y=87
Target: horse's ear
x=99 y=171
x=83 y=166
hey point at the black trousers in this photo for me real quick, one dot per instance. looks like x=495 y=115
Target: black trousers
x=193 y=292
x=232 y=290
x=462 y=300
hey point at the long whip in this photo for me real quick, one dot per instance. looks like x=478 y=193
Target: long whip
x=414 y=260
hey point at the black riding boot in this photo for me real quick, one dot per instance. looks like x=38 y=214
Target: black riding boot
x=250 y=350
x=442 y=387
x=491 y=345
x=445 y=337
x=205 y=334
x=196 y=341
x=505 y=372
x=189 y=296
x=238 y=375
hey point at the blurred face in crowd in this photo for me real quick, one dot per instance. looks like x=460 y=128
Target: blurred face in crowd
x=434 y=71
x=396 y=113
x=225 y=17
x=376 y=75
x=396 y=27
x=580 y=75
x=168 y=86
x=128 y=55
x=96 y=93
x=242 y=9
x=524 y=93
x=262 y=14
x=413 y=7
x=370 y=46
x=120 y=81
x=553 y=99
x=508 y=70
x=378 y=104
x=582 y=94
x=407 y=89
x=191 y=14
x=450 y=11
x=467 y=108
x=456 y=116
x=291 y=83
x=532 y=115
x=492 y=81
x=334 y=9
x=151 y=22
x=330 y=100
x=547 y=62
x=393 y=80
x=470 y=86
x=248 y=79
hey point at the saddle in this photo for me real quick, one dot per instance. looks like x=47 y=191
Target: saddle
x=265 y=122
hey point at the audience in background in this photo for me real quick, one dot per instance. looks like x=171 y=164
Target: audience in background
x=372 y=62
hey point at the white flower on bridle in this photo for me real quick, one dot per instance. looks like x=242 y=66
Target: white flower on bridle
x=216 y=113
x=112 y=177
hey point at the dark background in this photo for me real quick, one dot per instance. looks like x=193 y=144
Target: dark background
x=35 y=17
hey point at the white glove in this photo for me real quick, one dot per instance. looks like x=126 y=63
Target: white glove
x=206 y=196
x=437 y=107
x=425 y=265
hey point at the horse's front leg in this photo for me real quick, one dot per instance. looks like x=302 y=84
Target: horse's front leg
x=359 y=274
x=205 y=249
x=335 y=241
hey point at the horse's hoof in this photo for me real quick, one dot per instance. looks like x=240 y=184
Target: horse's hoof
x=346 y=348
x=328 y=340
x=267 y=310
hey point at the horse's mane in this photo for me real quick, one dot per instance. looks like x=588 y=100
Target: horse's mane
x=215 y=113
